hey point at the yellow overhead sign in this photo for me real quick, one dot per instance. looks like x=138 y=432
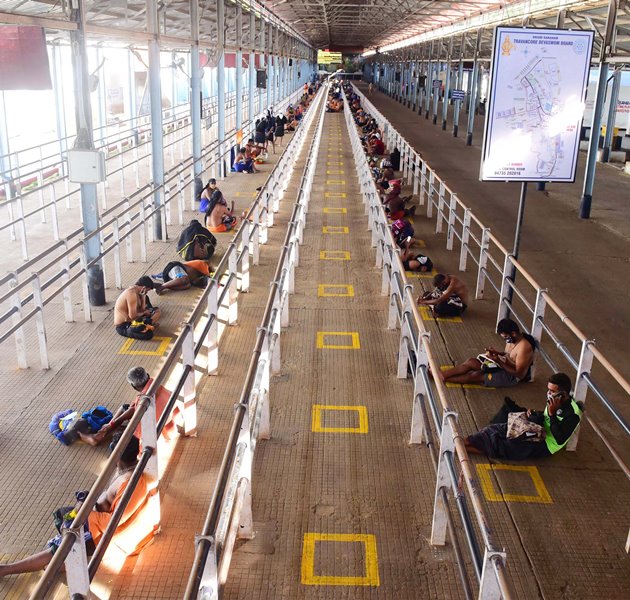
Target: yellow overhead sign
x=324 y=57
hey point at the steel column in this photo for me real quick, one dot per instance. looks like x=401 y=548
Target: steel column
x=195 y=89
x=591 y=159
x=85 y=140
x=221 y=86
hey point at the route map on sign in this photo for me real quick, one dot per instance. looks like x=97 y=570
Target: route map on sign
x=536 y=103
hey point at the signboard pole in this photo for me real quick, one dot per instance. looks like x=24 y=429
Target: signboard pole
x=517 y=235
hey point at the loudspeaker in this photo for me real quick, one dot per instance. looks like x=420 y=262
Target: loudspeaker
x=261 y=78
x=290 y=62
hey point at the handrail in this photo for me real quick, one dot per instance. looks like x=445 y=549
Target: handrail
x=445 y=420
x=147 y=401
x=213 y=548
x=145 y=211
x=416 y=169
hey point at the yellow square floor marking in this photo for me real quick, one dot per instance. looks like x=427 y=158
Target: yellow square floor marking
x=420 y=275
x=323 y=290
x=339 y=163
x=316 y=419
x=335 y=182
x=335 y=195
x=427 y=315
x=322 y=344
x=160 y=351
x=335 y=229
x=335 y=172
x=468 y=386
x=492 y=495
x=335 y=211
x=371 y=576
x=334 y=255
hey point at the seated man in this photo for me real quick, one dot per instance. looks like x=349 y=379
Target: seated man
x=558 y=421
x=376 y=146
x=134 y=316
x=242 y=164
x=252 y=149
x=140 y=381
x=448 y=299
x=498 y=369
x=98 y=519
x=219 y=217
x=181 y=275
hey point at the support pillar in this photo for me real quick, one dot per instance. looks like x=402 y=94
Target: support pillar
x=473 y=92
x=85 y=141
x=221 y=86
x=157 y=133
x=612 y=114
x=195 y=92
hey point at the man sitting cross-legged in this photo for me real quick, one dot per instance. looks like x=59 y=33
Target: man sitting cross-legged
x=498 y=369
x=449 y=298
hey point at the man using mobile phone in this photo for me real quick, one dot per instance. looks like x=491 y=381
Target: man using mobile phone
x=560 y=419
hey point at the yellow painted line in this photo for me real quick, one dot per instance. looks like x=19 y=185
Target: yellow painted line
x=323 y=345
x=339 y=163
x=335 y=172
x=427 y=315
x=335 y=195
x=337 y=154
x=334 y=255
x=335 y=211
x=252 y=194
x=335 y=229
x=335 y=182
x=316 y=419
x=420 y=275
x=307 y=569
x=542 y=495
x=160 y=351
x=344 y=290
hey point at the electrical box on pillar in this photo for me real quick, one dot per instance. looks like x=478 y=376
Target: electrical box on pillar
x=261 y=78
x=86 y=166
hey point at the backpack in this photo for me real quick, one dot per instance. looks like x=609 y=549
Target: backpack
x=402 y=228
x=97 y=417
x=196 y=240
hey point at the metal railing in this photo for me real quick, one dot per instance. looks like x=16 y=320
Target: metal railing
x=35 y=284
x=528 y=302
x=201 y=331
x=430 y=401
x=31 y=189
x=230 y=511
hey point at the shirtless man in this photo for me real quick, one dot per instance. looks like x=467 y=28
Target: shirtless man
x=220 y=219
x=446 y=286
x=134 y=305
x=510 y=366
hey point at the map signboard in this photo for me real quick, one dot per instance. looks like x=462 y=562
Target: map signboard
x=535 y=105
